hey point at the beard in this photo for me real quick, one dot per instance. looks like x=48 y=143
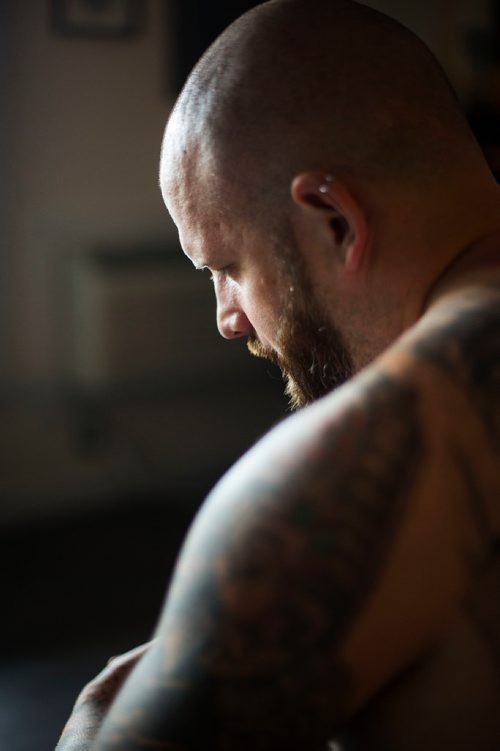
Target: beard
x=310 y=350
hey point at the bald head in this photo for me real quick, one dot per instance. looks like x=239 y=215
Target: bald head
x=318 y=153
x=312 y=84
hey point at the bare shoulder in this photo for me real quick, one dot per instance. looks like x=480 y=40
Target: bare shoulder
x=303 y=588
x=323 y=539
x=345 y=513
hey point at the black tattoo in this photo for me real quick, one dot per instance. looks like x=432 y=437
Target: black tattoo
x=272 y=576
x=467 y=348
x=281 y=563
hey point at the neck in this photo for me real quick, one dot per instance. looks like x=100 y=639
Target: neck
x=463 y=237
x=475 y=264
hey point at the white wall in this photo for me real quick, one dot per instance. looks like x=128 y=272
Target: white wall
x=86 y=124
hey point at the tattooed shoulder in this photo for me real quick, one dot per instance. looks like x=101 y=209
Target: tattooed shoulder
x=289 y=605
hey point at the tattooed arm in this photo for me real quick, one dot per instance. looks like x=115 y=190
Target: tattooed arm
x=302 y=588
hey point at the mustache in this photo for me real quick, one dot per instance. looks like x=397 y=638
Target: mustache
x=256 y=348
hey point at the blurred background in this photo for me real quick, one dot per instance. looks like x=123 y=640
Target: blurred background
x=119 y=405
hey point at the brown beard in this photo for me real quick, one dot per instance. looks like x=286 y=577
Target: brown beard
x=310 y=352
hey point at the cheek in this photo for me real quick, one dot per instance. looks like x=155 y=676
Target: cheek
x=262 y=308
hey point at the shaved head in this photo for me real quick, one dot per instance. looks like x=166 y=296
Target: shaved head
x=291 y=90
x=303 y=84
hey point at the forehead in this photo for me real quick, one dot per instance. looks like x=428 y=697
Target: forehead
x=185 y=169
x=186 y=161
x=204 y=206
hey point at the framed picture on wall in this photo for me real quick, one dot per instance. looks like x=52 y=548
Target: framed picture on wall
x=97 y=18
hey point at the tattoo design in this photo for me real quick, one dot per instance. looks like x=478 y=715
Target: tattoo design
x=467 y=348
x=281 y=563
x=272 y=576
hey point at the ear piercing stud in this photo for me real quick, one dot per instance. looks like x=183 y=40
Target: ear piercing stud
x=324 y=188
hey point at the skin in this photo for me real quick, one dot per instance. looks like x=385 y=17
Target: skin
x=341 y=581
x=95 y=699
x=359 y=647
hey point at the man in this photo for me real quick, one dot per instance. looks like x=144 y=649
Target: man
x=342 y=582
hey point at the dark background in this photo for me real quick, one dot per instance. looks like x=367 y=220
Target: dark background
x=119 y=406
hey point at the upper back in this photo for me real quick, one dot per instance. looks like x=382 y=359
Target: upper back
x=450 y=696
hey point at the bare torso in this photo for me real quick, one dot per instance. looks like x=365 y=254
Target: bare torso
x=450 y=697
x=343 y=580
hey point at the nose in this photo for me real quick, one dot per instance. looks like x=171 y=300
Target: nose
x=234 y=325
x=232 y=321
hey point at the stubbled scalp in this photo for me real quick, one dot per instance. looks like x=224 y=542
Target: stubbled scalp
x=302 y=84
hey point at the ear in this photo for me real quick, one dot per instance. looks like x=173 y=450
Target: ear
x=331 y=201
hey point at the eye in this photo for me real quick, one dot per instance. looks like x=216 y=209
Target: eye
x=221 y=273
